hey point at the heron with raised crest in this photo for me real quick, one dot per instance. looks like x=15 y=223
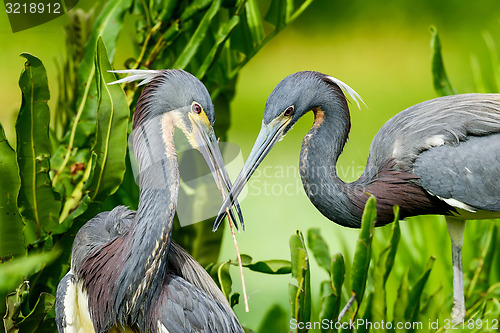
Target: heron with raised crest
x=437 y=157
x=126 y=274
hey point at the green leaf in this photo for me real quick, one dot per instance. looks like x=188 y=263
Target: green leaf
x=416 y=291
x=402 y=301
x=11 y=224
x=221 y=37
x=319 y=249
x=110 y=149
x=329 y=305
x=300 y=290
x=273 y=266
x=14 y=271
x=362 y=255
x=38 y=204
x=275 y=321
x=254 y=21
x=194 y=43
x=480 y=280
x=336 y=281
x=442 y=84
x=35 y=318
x=220 y=274
x=107 y=26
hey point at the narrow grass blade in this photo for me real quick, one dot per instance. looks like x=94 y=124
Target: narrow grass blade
x=442 y=84
x=416 y=291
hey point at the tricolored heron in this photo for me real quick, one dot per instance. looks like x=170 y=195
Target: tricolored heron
x=126 y=274
x=437 y=157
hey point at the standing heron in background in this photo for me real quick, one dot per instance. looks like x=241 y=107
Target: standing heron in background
x=437 y=157
x=126 y=274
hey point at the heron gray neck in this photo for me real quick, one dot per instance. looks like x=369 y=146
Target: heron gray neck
x=149 y=236
x=320 y=151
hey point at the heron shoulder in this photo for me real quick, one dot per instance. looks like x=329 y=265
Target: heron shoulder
x=445 y=120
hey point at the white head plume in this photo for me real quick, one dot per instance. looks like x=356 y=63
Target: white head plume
x=146 y=75
x=351 y=92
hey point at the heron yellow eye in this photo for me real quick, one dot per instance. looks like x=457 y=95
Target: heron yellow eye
x=196 y=108
x=288 y=112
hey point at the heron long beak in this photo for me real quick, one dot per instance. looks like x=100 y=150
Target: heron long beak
x=208 y=146
x=268 y=136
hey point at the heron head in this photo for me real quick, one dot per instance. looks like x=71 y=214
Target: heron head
x=177 y=99
x=293 y=97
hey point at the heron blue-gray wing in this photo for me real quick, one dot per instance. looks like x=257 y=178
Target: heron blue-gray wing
x=448 y=120
x=467 y=172
x=184 y=308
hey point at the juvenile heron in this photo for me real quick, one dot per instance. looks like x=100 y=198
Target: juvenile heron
x=126 y=274
x=437 y=157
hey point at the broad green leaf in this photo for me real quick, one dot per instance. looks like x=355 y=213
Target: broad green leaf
x=299 y=291
x=442 y=84
x=319 y=249
x=38 y=204
x=273 y=266
x=110 y=148
x=275 y=321
x=416 y=291
x=11 y=224
x=362 y=256
x=35 y=318
x=14 y=271
x=107 y=26
x=194 y=43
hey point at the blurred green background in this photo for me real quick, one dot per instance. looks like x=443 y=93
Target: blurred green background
x=381 y=49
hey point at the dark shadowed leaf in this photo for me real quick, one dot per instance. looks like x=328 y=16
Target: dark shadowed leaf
x=38 y=204
x=11 y=224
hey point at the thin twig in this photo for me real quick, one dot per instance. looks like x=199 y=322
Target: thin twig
x=245 y=298
x=347 y=307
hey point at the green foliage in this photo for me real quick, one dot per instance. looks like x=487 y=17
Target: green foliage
x=442 y=84
x=63 y=173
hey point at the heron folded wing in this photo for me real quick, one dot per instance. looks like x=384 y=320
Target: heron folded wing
x=466 y=173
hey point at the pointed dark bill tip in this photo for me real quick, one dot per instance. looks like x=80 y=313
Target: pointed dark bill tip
x=267 y=138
